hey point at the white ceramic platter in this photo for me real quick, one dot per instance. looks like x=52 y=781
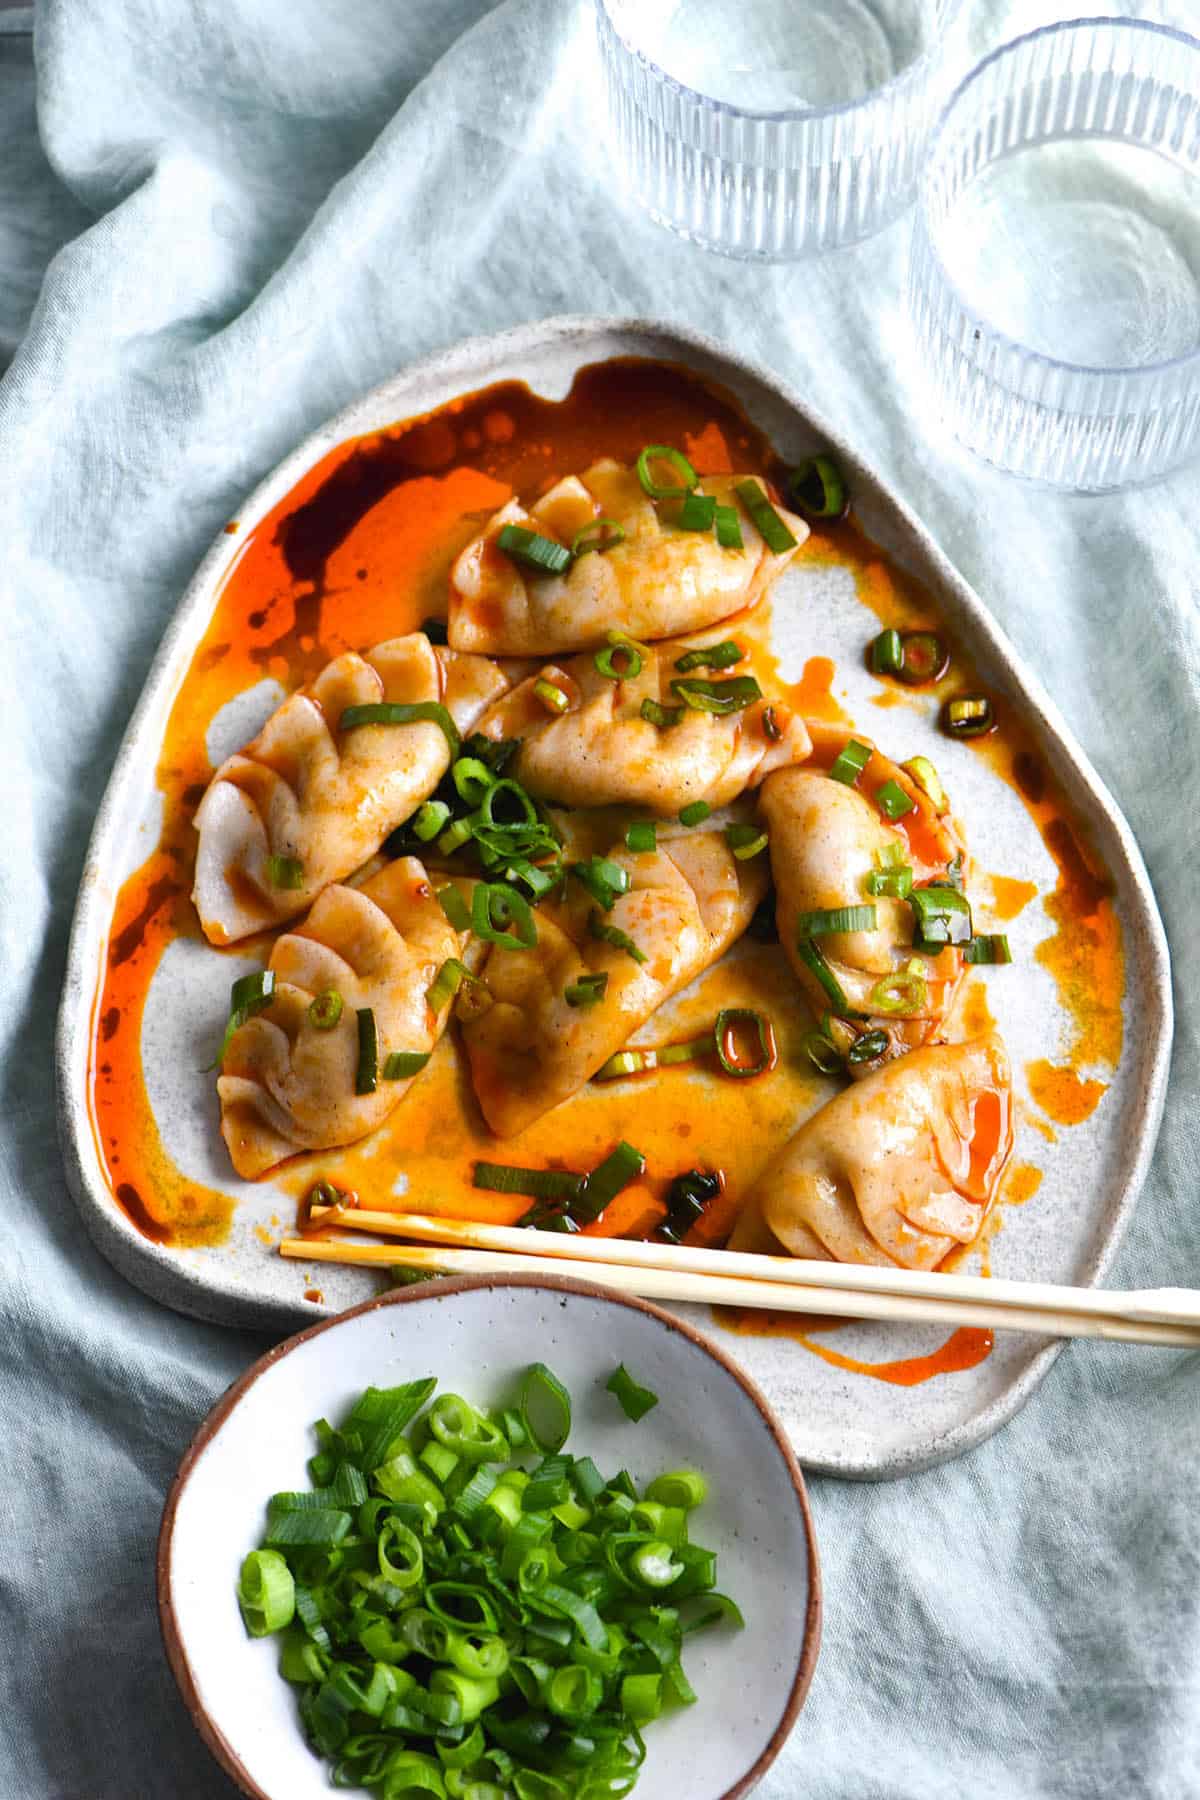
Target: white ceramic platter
x=840 y=1422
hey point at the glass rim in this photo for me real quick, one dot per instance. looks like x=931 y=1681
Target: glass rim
x=948 y=10
x=1039 y=358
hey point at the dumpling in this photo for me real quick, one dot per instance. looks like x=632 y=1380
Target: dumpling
x=658 y=582
x=286 y=1085
x=687 y=902
x=321 y=799
x=898 y=1169
x=600 y=751
x=826 y=840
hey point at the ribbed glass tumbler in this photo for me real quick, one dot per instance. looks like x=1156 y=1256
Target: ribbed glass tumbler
x=1054 y=281
x=768 y=130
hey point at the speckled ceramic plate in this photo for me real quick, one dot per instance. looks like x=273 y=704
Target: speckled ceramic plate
x=841 y=1421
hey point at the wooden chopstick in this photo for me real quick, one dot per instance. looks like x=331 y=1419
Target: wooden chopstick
x=724 y=1278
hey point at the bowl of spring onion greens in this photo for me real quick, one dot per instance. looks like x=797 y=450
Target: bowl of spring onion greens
x=491 y=1539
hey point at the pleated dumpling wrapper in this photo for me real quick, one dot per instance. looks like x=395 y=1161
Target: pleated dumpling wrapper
x=901 y=1168
x=687 y=902
x=659 y=581
x=827 y=839
x=287 y=1085
x=306 y=803
x=599 y=750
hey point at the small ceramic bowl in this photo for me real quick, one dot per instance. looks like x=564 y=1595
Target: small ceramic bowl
x=475 y=1334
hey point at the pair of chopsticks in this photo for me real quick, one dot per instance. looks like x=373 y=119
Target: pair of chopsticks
x=731 y=1278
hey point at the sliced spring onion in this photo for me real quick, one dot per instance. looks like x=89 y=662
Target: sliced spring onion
x=817 y=490
x=604 y=880
x=850 y=762
x=662 y=716
x=540 y=555
x=925 y=658
x=867 y=1048
x=589 y=990
x=248 y=995
x=266 y=1593
x=695 y=813
x=892 y=800
x=605 y=933
x=601 y=534
x=446 y=983
x=508 y=790
x=720 y=697
x=452 y=903
x=642 y=836
x=552 y=697
x=430 y=818
x=968 y=715
x=620 y=660
x=325 y=1011
x=712 y=656
x=771 y=528
x=627 y=1062
x=992 y=947
x=607 y=1179
x=679 y=465
x=893 y=884
x=698 y=513
x=472 y=779
x=545 y=1408
x=539 y=1184
x=680 y=1487
x=285 y=871
x=821 y=1053
x=729 y=1020
x=494 y=908
x=929 y=782
x=837 y=918
x=745 y=841
x=367 y=1074
x=887 y=653
x=399 y=1065
x=772 y=729
x=901 y=994
x=539 y=881
x=687 y=1197
x=813 y=960
x=954 y=873
x=941 y=915
x=729 y=528
x=635 y=1401
x=458 y=833
x=408 y=712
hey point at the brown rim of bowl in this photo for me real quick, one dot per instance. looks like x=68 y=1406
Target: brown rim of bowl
x=215 y=1739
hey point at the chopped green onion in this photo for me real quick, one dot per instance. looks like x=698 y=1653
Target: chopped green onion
x=552 y=698
x=772 y=729
x=605 y=881
x=472 y=779
x=662 y=716
x=817 y=490
x=694 y=813
x=452 y=903
x=627 y=1062
x=928 y=780
x=642 y=836
x=494 y=908
x=720 y=697
x=745 y=841
x=545 y=1408
x=400 y=1064
x=409 y=712
x=540 y=555
x=429 y=819
x=867 y=1048
x=821 y=1053
x=729 y=528
x=506 y=786
x=605 y=933
x=248 y=995
x=697 y=513
x=539 y=881
x=969 y=715
x=892 y=800
x=838 y=918
x=589 y=990
x=815 y=963
x=925 y=658
x=681 y=1487
x=367 y=1074
x=728 y=1021
x=539 y=1184
x=446 y=983
x=285 y=871
x=712 y=656
x=851 y=762
x=990 y=948
x=635 y=1401
x=607 y=1179
x=887 y=653
x=629 y=666
x=942 y=915
x=455 y=836
x=601 y=535
x=770 y=526
x=893 y=884
x=954 y=873
x=900 y=995
x=671 y=490
x=325 y=1011
x=266 y=1593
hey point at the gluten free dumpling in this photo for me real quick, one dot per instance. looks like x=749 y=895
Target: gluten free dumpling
x=287 y=1085
x=658 y=582
x=600 y=751
x=305 y=803
x=899 y=1169
x=687 y=902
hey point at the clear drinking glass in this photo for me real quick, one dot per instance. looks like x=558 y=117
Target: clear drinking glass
x=767 y=129
x=1054 y=281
